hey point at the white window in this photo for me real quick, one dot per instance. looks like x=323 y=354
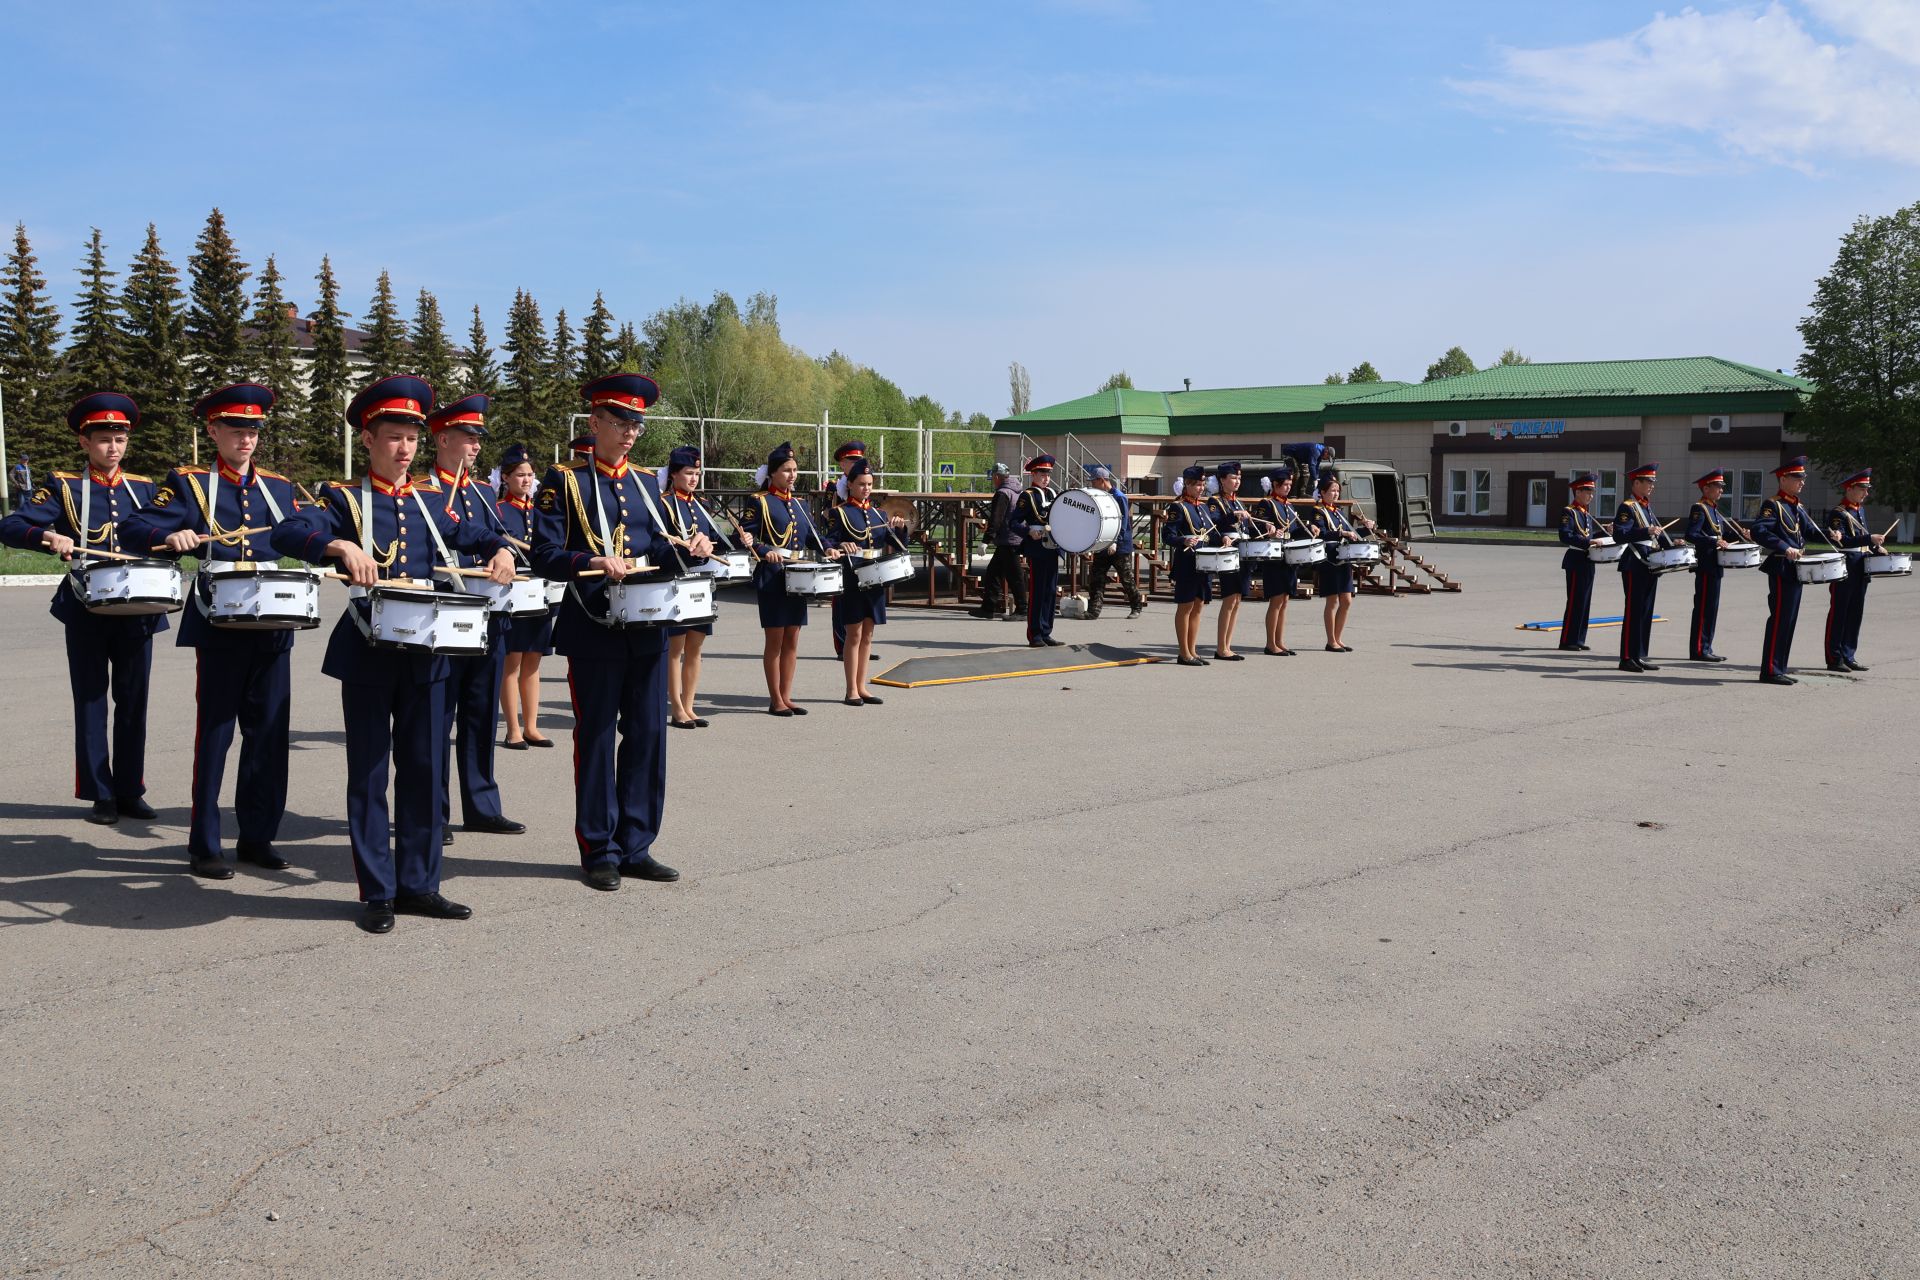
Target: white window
x=1606 y=494
x=1749 y=496
x=1469 y=493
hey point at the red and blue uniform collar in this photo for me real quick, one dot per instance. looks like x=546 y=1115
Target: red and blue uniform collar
x=401 y=488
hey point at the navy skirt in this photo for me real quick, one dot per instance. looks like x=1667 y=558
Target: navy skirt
x=532 y=635
x=1335 y=579
x=1189 y=584
x=777 y=608
x=1278 y=579
x=855 y=605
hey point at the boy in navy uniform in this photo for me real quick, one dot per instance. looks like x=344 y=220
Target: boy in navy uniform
x=473 y=684
x=1578 y=529
x=590 y=519
x=1030 y=517
x=393 y=700
x=67 y=516
x=241 y=677
x=1847 y=598
x=1707 y=532
x=1634 y=525
x=1783 y=528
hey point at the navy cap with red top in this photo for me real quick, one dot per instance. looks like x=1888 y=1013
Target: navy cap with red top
x=103 y=411
x=401 y=398
x=626 y=396
x=468 y=414
x=1716 y=476
x=1040 y=461
x=581 y=445
x=242 y=404
x=1586 y=480
x=513 y=455
x=1645 y=471
x=1792 y=467
x=850 y=449
x=1863 y=476
x=682 y=458
x=1226 y=469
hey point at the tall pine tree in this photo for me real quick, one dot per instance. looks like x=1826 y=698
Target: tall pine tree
x=385 y=345
x=432 y=353
x=630 y=351
x=30 y=361
x=217 y=312
x=271 y=363
x=97 y=356
x=563 y=374
x=479 y=375
x=157 y=374
x=524 y=399
x=598 y=356
x=327 y=375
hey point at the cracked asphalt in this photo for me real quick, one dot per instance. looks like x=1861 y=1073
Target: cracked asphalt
x=1453 y=956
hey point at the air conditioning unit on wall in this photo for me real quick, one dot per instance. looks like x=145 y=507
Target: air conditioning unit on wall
x=1719 y=425
x=1456 y=428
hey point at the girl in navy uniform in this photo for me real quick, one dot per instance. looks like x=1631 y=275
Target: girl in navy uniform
x=528 y=639
x=1278 y=579
x=777 y=525
x=1847 y=598
x=1578 y=529
x=685 y=517
x=1189 y=524
x=67 y=516
x=1230 y=524
x=1334 y=526
x=856 y=525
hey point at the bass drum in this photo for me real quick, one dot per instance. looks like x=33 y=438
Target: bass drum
x=1084 y=520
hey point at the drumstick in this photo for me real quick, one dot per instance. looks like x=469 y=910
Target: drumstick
x=467 y=573
x=633 y=566
x=1890 y=529
x=228 y=538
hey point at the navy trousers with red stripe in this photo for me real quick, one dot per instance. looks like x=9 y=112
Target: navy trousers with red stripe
x=1573 y=623
x=109 y=655
x=1706 y=608
x=1783 y=611
x=1636 y=626
x=248 y=685
x=403 y=725
x=619 y=790
x=1043 y=592
x=1847 y=604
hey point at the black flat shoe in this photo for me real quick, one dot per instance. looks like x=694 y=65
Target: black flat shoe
x=261 y=856
x=105 y=812
x=1278 y=653
x=431 y=905
x=1334 y=648
x=1193 y=662
x=512 y=745
x=1287 y=653
x=650 y=869
x=798 y=711
x=784 y=711
x=681 y=724
x=605 y=877
x=699 y=722
x=214 y=868
x=1773 y=679
x=852 y=702
x=1228 y=657
x=872 y=701
x=376 y=916
x=499 y=826
x=539 y=742
x=1854 y=666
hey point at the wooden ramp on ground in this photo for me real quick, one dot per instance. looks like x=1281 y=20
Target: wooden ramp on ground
x=1005 y=664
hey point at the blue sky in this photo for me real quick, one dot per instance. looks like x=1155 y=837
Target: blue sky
x=1238 y=194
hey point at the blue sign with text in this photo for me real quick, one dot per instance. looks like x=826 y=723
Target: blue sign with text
x=1531 y=429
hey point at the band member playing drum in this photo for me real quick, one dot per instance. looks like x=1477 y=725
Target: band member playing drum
x=393 y=700
x=1231 y=523
x=242 y=678
x=1707 y=532
x=1334 y=526
x=1189 y=524
x=845 y=454
x=1847 y=598
x=68 y=516
x=1578 y=529
x=1783 y=528
x=528 y=638
x=1117 y=558
x=1635 y=527
x=857 y=526
x=685 y=517
x=1278 y=579
x=1031 y=514
x=779 y=528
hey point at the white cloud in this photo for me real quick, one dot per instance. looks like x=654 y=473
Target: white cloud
x=1755 y=83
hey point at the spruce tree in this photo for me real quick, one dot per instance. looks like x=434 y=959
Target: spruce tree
x=327 y=375
x=630 y=351
x=598 y=355
x=29 y=360
x=385 y=345
x=157 y=374
x=523 y=398
x=217 y=312
x=563 y=374
x=97 y=357
x=432 y=353
x=271 y=363
x=479 y=375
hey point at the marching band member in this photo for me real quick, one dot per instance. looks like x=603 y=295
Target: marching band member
x=1118 y=557
x=1847 y=598
x=779 y=528
x=67 y=516
x=393 y=701
x=473 y=685
x=858 y=526
x=1579 y=527
x=528 y=639
x=1188 y=525
x=1031 y=514
x=685 y=518
x=845 y=454
x=1634 y=525
x=591 y=521
x=241 y=677
x=1278 y=579
x=1003 y=583
x=1707 y=532
x=1334 y=526
x=1231 y=523
x=1783 y=528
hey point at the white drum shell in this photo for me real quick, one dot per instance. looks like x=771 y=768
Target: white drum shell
x=1606 y=551
x=1084 y=520
x=1357 y=553
x=1740 y=555
x=659 y=603
x=1671 y=559
x=1889 y=564
x=129 y=588
x=812 y=578
x=1824 y=566
x=262 y=599
x=524 y=597
x=1305 y=551
x=449 y=622
x=725 y=566
x=556 y=591
x=884 y=571
x=1262 y=550
x=1216 y=559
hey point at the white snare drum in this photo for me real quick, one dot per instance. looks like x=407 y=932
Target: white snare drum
x=883 y=571
x=1822 y=566
x=126 y=588
x=524 y=597
x=423 y=620
x=1741 y=555
x=1605 y=551
x=556 y=591
x=1305 y=551
x=1262 y=550
x=1357 y=553
x=660 y=602
x=1084 y=520
x=1217 y=559
x=725 y=566
x=1889 y=564
x=1671 y=559
x=812 y=578
x=256 y=599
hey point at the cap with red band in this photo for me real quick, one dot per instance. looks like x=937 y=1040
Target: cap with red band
x=103 y=411
x=402 y=398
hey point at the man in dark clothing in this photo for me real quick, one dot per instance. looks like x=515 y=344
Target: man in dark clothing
x=1004 y=578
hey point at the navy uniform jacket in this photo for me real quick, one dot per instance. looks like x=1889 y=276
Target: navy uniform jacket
x=686 y=517
x=56 y=505
x=1847 y=529
x=567 y=517
x=1634 y=523
x=181 y=505
x=406 y=549
x=1578 y=529
x=774 y=523
x=1229 y=514
x=517 y=520
x=1330 y=523
x=1783 y=525
x=865 y=527
x=1705 y=527
x=473 y=501
x=1279 y=513
x=1187 y=520
x=1034 y=507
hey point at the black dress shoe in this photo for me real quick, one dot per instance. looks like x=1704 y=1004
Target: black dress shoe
x=1770 y=678
x=446 y=834
x=213 y=868
x=872 y=701
x=1583 y=648
x=135 y=807
x=499 y=826
x=982 y=613
x=1054 y=644
x=650 y=869
x=105 y=812
x=1647 y=666
x=1854 y=666
x=262 y=856
x=376 y=915
x=605 y=877
x=1628 y=664
x=1841 y=667
x=511 y=745
x=431 y=905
